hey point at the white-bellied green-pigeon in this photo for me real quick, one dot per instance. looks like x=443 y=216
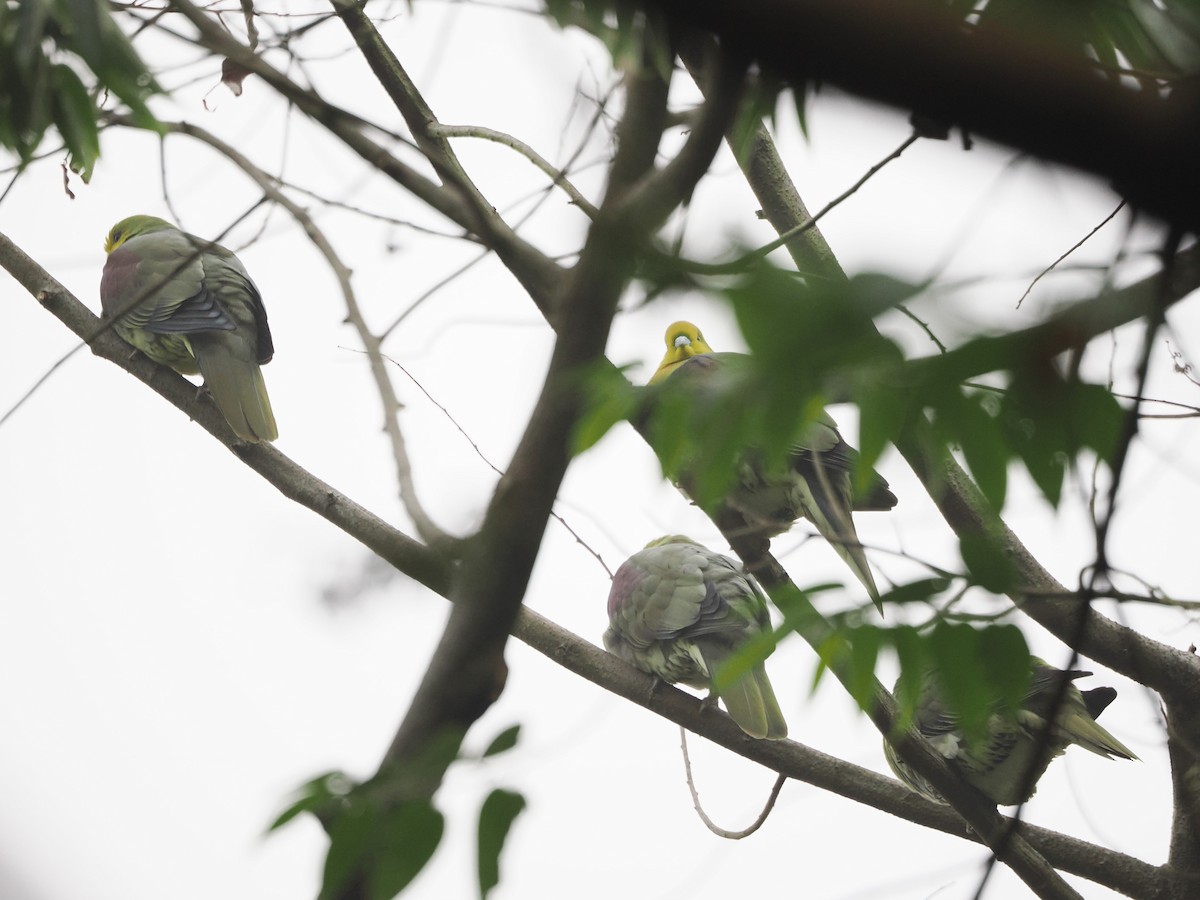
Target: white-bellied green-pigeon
x=818 y=483
x=679 y=611
x=1006 y=764
x=190 y=304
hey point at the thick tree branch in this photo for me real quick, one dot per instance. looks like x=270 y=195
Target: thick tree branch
x=657 y=194
x=1116 y=870
x=486 y=222
x=768 y=178
x=1185 y=787
x=1012 y=87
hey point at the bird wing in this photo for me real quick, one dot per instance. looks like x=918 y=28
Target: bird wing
x=156 y=281
x=227 y=280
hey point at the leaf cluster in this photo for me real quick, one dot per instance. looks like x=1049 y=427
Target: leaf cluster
x=380 y=839
x=45 y=48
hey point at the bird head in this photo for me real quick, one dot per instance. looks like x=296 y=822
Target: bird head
x=132 y=227
x=669 y=539
x=684 y=341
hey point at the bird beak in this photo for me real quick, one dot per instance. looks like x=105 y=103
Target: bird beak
x=682 y=341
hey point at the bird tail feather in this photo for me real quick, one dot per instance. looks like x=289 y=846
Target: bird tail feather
x=751 y=702
x=1089 y=734
x=749 y=698
x=820 y=502
x=239 y=390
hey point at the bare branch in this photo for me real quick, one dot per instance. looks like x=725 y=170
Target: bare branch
x=658 y=193
x=534 y=271
x=709 y=823
x=1083 y=240
x=557 y=177
x=537 y=274
x=426 y=527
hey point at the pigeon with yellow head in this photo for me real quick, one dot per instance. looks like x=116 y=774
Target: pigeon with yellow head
x=818 y=481
x=190 y=304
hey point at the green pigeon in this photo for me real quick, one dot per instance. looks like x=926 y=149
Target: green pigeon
x=190 y=304
x=679 y=611
x=818 y=483
x=1004 y=764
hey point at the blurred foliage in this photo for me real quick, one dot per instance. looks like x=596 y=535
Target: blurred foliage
x=630 y=32
x=496 y=817
x=47 y=49
x=981 y=671
x=380 y=841
x=817 y=343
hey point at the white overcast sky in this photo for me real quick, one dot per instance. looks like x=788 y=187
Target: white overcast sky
x=168 y=669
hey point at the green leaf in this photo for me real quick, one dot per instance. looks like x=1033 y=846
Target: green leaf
x=987 y=563
x=800 y=103
x=408 y=836
x=86 y=29
x=609 y=398
x=915 y=591
x=317 y=796
x=957 y=657
x=757 y=648
x=884 y=411
x=351 y=837
x=864 y=650
x=75 y=116
x=912 y=651
x=504 y=741
x=496 y=818
x=968 y=423
x=1095 y=419
x=1006 y=663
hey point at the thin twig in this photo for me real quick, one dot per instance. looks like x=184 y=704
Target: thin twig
x=45 y=376
x=1083 y=240
x=709 y=823
x=491 y=465
x=741 y=263
x=557 y=176
x=426 y=527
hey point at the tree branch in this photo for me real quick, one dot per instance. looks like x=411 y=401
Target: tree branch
x=268 y=184
x=557 y=176
x=538 y=274
x=1116 y=870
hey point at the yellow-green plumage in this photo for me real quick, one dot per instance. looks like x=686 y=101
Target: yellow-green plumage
x=817 y=481
x=190 y=304
x=1006 y=763
x=679 y=611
